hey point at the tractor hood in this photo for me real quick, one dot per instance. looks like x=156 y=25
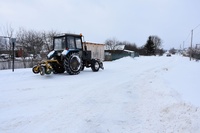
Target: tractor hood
x=51 y=54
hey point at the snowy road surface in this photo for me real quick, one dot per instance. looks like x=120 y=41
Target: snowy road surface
x=140 y=95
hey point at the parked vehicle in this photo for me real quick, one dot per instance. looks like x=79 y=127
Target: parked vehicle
x=4 y=56
x=168 y=55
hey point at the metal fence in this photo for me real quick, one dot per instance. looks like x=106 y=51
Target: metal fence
x=117 y=54
x=8 y=64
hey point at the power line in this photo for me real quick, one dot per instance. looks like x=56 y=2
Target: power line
x=196 y=27
x=187 y=37
x=190 y=33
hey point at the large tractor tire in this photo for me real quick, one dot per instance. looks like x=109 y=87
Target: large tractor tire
x=72 y=63
x=95 y=66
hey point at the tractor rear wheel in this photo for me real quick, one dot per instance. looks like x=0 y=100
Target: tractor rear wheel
x=95 y=66
x=72 y=63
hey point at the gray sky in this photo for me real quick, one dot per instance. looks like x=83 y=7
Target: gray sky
x=125 y=20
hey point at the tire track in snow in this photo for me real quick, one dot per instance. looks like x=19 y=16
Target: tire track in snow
x=161 y=108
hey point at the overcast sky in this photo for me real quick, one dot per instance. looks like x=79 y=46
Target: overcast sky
x=98 y=20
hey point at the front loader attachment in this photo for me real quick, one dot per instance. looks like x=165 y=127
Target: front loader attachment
x=46 y=67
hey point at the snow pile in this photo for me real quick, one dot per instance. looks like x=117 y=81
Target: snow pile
x=145 y=94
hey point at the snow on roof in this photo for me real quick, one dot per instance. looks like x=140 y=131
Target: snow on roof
x=129 y=51
x=92 y=43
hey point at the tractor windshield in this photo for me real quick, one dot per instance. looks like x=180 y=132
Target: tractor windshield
x=59 y=43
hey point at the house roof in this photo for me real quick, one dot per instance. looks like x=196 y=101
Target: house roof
x=93 y=43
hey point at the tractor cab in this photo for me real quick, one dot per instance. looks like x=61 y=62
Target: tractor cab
x=67 y=42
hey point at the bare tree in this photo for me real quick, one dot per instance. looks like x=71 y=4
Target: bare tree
x=2 y=43
x=47 y=37
x=112 y=44
x=195 y=52
x=5 y=41
x=7 y=31
x=172 y=50
x=157 y=41
x=30 y=42
x=130 y=46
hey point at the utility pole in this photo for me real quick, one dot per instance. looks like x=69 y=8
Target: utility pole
x=191 y=45
x=192 y=40
x=13 y=40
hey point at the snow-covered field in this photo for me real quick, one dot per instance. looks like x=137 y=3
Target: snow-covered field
x=132 y=95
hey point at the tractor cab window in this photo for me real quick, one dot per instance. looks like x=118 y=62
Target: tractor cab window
x=59 y=43
x=70 y=42
x=78 y=43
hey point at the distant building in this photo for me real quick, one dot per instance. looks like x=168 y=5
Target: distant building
x=118 y=52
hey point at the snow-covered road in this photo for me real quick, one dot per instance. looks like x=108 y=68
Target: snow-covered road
x=143 y=94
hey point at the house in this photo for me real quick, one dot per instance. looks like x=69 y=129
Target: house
x=118 y=52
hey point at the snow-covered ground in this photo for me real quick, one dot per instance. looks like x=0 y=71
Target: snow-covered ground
x=140 y=95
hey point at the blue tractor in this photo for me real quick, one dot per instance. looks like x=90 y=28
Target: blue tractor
x=69 y=54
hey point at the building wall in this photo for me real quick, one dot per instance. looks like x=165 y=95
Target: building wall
x=97 y=50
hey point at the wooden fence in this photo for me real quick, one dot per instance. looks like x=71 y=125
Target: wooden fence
x=8 y=64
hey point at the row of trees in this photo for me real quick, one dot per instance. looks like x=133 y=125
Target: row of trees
x=7 y=33
x=153 y=46
x=29 y=42
x=40 y=42
x=35 y=42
